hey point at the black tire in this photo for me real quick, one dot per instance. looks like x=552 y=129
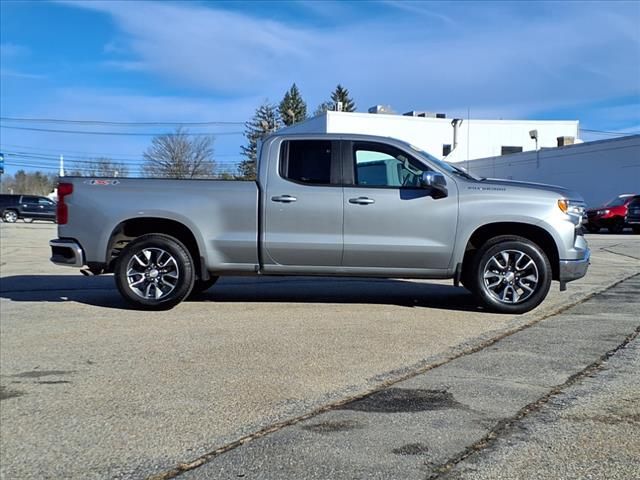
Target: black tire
x=636 y=229
x=9 y=216
x=616 y=227
x=518 y=289
x=155 y=272
x=592 y=228
x=200 y=286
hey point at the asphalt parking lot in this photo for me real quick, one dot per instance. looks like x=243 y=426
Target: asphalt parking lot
x=226 y=383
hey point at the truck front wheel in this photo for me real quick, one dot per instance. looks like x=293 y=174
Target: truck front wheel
x=510 y=274
x=155 y=272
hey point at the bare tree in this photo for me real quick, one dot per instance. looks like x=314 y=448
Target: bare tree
x=179 y=155
x=99 y=167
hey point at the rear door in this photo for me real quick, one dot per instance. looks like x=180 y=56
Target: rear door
x=390 y=221
x=303 y=206
x=30 y=207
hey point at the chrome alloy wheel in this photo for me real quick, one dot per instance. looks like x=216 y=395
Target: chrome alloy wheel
x=10 y=216
x=511 y=276
x=152 y=273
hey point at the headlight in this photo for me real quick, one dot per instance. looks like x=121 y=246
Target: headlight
x=603 y=212
x=572 y=208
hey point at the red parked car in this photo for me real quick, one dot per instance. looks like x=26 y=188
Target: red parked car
x=610 y=216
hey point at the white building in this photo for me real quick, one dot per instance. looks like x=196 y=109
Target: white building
x=473 y=138
x=598 y=170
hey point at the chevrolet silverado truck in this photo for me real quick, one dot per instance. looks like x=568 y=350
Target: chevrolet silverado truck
x=330 y=205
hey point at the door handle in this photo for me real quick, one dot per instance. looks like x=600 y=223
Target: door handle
x=283 y=199
x=362 y=201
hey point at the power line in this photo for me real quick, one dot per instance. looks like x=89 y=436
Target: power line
x=81 y=132
x=609 y=132
x=113 y=156
x=106 y=122
x=92 y=159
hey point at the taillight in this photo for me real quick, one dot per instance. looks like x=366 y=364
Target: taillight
x=62 y=212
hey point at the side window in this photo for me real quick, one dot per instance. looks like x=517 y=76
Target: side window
x=45 y=201
x=306 y=161
x=30 y=200
x=378 y=165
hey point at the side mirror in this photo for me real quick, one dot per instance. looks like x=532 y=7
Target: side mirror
x=436 y=182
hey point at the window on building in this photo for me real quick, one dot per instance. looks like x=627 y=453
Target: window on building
x=306 y=161
x=510 y=150
x=446 y=149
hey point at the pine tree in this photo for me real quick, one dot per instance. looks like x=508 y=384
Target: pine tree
x=324 y=107
x=264 y=122
x=341 y=94
x=292 y=108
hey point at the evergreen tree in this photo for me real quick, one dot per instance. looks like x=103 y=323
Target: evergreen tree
x=324 y=107
x=264 y=122
x=292 y=108
x=341 y=94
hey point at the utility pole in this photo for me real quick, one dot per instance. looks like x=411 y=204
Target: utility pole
x=61 y=166
x=1 y=170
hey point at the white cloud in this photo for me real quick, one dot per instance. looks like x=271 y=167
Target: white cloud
x=493 y=60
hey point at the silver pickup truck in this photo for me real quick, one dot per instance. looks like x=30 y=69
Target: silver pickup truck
x=332 y=205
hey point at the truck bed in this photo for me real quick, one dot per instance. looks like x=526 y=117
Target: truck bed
x=223 y=215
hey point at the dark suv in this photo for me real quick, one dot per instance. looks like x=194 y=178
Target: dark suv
x=26 y=207
x=633 y=214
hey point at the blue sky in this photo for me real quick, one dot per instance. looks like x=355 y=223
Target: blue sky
x=217 y=61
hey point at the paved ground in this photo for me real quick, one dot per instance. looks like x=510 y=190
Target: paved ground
x=93 y=390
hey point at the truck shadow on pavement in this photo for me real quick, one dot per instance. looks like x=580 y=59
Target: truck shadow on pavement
x=101 y=291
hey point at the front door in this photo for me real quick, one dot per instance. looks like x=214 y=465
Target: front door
x=31 y=207
x=303 y=206
x=390 y=221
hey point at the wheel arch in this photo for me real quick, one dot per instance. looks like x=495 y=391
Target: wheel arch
x=534 y=233
x=132 y=228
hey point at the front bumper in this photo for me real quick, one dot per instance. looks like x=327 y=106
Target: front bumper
x=574 y=269
x=66 y=252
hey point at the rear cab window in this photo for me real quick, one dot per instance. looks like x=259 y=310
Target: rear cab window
x=310 y=162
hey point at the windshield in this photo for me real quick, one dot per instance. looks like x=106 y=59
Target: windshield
x=446 y=166
x=616 y=202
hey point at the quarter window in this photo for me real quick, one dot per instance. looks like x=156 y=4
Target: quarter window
x=385 y=166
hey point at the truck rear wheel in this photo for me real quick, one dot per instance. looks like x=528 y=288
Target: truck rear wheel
x=155 y=272
x=510 y=274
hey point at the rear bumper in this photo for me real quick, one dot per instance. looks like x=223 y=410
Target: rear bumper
x=66 y=252
x=574 y=269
